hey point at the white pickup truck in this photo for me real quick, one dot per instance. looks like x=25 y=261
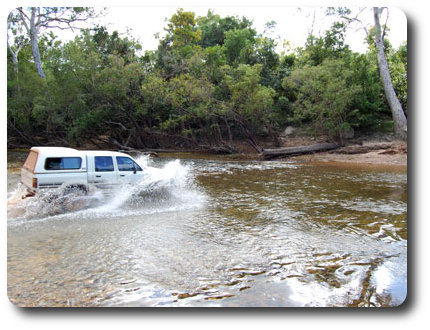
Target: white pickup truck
x=52 y=167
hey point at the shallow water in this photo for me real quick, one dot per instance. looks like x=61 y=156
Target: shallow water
x=214 y=232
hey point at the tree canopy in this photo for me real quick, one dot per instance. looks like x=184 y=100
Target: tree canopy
x=212 y=81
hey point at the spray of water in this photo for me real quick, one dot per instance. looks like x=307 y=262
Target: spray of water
x=169 y=188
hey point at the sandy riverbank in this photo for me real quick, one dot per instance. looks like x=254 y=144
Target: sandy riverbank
x=377 y=153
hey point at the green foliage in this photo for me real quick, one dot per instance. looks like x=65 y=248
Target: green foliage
x=214 y=59
x=211 y=80
x=114 y=45
x=250 y=100
x=323 y=96
x=238 y=46
x=369 y=104
x=214 y=28
x=266 y=55
x=182 y=29
x=330 y=45
x=398 y=63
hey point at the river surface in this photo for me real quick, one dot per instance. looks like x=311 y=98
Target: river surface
x=215 y=232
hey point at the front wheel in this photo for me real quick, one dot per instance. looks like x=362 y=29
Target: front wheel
x=73 y=198
x=79 y=190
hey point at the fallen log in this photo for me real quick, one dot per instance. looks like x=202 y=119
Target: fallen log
x=294 y=151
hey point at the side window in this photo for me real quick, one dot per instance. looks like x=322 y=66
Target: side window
x=103 y=164
x=127 y=164
x=64 y=163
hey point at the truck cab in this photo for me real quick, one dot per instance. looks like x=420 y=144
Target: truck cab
x=106 y=169
x=52 y=167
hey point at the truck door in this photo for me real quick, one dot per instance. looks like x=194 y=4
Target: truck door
x=129 y=171
x=103 y=176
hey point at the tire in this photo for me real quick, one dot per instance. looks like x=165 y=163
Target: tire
x=71 y=199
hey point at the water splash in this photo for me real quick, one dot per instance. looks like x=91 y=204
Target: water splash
x=167 y=188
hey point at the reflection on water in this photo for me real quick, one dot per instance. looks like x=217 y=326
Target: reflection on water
x=211 y=232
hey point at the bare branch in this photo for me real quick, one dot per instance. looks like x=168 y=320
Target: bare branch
x=38 y=16
x=18 y=47
x=23 y=19
x=385 y=25
x=116 y=123
x=356 y=19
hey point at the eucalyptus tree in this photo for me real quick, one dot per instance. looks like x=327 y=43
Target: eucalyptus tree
x=33 y=20
x=15 y=41
x=377 y=33
x=400 y=121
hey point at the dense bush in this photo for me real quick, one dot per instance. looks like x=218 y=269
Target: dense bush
x=211 y=81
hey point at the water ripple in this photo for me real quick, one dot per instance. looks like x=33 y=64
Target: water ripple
x=217 y=233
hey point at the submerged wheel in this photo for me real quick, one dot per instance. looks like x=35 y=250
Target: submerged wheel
x=71 y=199
x=79 y=190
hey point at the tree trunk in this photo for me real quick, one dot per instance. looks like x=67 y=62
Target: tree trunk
x=245 y=129
x=33 y=32
x=14 y=58
x=34 y=44
x=399 y=118
x=36 y=54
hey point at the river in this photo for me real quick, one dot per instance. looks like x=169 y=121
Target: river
x=209 y=231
